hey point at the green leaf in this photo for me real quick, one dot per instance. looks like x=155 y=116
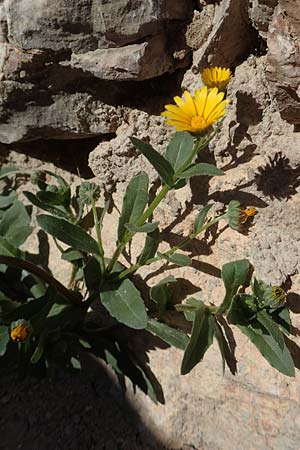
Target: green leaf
x=233 y=214
x=72 y=255
x=279 y=358
x=227 y=354
x=135 y=200
x=180 y=149
x=59 y=211
x=160 y=164
x=53 y=198
x=234 y=275
x=160 y=293
x=7 y=200
x=282 y=317
x=273 y=329
x=14 y=224
x=200 y=219
x=243 y=309
x=178 y=258
x=200 y=169
x=27 y=310
x=150 y=247
x=8 y=170
x=189 y=308
x=201 y=338
x=146 y=228
x=7 y=249
x=92 y=274
x=4 y=339
x=125 y=304
x=39 y=350
x=68 y=233
x=171 y=336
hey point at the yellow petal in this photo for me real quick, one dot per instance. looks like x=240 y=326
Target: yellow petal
x=189 y=106
x=177 y=111
x=200 y=100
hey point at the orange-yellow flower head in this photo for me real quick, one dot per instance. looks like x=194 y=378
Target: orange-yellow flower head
x=20 y=331
x=247 y=213
x=196 y=113
x=216 y=77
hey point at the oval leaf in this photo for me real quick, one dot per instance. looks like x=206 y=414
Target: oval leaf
x=68 y=233
x=200 y=169
x=146 y=228
x=180 y=149
x=201 y=338
x=170 y=335
x=125 y=304
x=200 y=219
x=234 y=275
x=135 y=200
x=160 y=164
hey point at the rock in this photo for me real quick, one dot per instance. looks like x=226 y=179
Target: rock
x=261 y=13
x=131 y=62
x=230 y=39
x=56 y=61
x=118 y=160
x=283 y=70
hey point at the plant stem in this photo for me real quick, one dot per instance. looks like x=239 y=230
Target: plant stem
x=172 y=250
x=98 y=233
x=43 y=275
x=128 y=236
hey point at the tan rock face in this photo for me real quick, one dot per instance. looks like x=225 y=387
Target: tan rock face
x=56 y=58
x=283 y=71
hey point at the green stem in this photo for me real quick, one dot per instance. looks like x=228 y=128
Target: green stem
x=172 y=250
x=98 y=233
x=128 y=236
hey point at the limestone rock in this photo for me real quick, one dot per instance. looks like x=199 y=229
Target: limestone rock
x=283 y=71
x=56 y=59
x=117 y=159
x=261 y=13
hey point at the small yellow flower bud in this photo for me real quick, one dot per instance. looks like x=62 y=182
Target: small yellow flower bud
x=20 y=331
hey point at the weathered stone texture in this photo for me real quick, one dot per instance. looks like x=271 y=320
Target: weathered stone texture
x=283 y=71
x=53 y=51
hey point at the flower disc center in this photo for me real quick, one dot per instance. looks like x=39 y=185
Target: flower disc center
x=198 y=123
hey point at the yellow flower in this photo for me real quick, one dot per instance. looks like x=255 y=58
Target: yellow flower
x=20 y=331
x=246 y=213
x=196 y=113
x=216 y=77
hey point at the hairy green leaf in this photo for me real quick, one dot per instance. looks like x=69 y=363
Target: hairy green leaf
x=160 y=293
x=279 y=358
x=200 y=169
x=150 y=247
x=59 y=211
x=160 y=164
x=234 y=275
x=177 y=258
x=135 y=200
x=201 y=338
x=124 y=303
x=200 y=219
x=180 y=149
x=4 y=339
x=146 y=228
x=273 y=329
x=170 y=335
x=68 y=233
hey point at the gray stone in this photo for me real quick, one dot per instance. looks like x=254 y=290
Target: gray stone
x=261 y=13
x=283 y=71
x=57 y=57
